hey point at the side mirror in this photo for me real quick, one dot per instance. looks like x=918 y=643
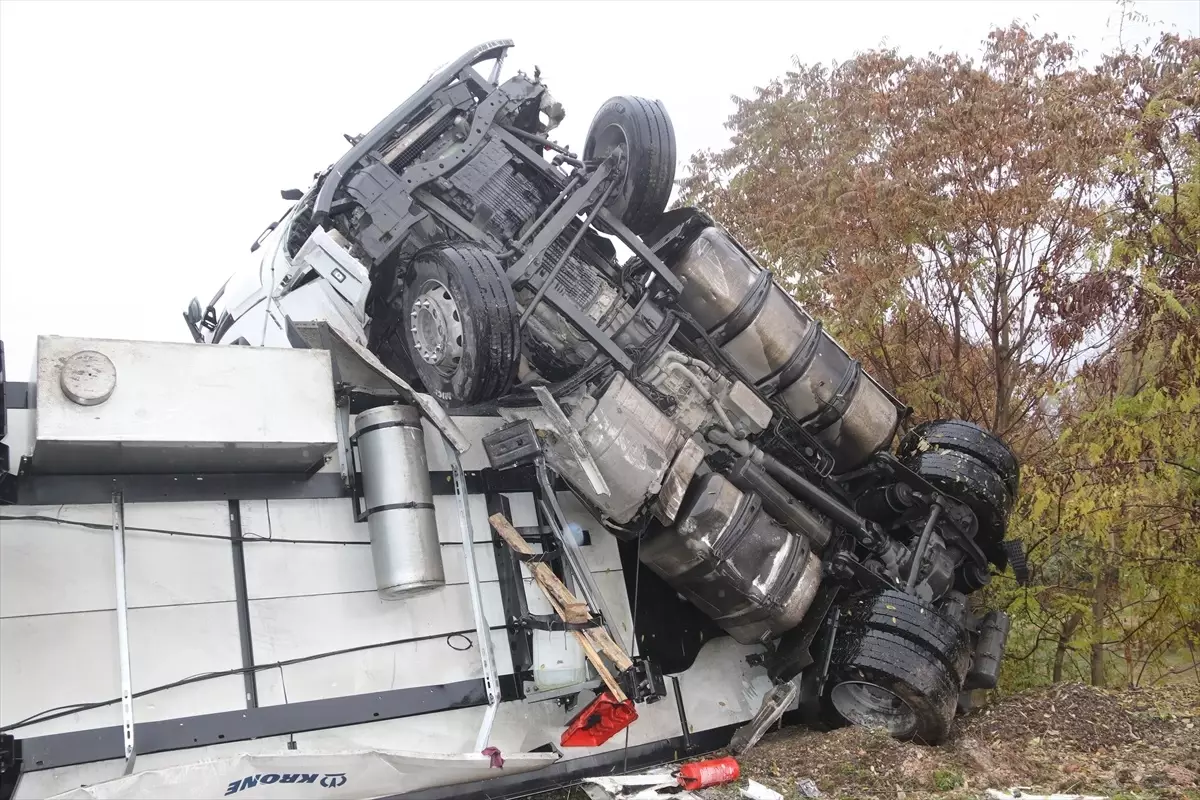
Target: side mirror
x=291 y=194
x=191 y=317
x=194 y=314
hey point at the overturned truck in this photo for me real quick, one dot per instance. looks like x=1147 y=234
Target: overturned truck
x=463 y=325
x=743 y=457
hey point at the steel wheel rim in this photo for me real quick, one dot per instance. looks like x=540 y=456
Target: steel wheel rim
x=436 y=326
x=870 y=705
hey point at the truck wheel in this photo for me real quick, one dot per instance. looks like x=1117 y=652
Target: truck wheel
x=894 y=611
x=643 y=129
x=963 y=476
x=964 y=437
x=385 y=338
x=897 y=664
x=459 y=319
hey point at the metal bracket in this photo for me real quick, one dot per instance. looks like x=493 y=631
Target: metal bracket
x=570 y=549
x=774 y=704
x=643 y=682
x=118 y=529
x=483 y=635
x=566 y=430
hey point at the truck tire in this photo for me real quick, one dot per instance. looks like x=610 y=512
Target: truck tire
x=903 y=676
x=964 y=437
x=968 y=479
x=894 y=611
x=385 y=338
x=459 y=319
x=643 y=128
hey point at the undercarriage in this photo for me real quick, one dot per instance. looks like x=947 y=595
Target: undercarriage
x=748 y=464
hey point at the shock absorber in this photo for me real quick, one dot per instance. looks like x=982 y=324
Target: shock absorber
x=866 y=532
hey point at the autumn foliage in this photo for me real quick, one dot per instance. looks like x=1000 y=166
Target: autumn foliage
x=1014 y=240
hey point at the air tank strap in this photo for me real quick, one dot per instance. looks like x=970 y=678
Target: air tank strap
x=399 y=506
x=738 y=527
x=772 y=600
x=740 y=318
x=835 y=408
x=797 y=363
x=416 y=426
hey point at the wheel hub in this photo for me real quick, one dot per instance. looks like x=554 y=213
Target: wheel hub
x=872 y=706
x=436 y=327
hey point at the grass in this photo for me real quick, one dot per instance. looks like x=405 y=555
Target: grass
x=945 y=780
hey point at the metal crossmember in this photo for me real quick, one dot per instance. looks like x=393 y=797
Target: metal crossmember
x=118 y=529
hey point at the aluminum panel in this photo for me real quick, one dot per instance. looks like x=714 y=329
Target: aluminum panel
x=292 y=627
x=186 y=408
x=45 y=783
x=400 y=666
x=59 y=660
x=38 y=559
x=63 y=659
x=721 y=688
x=291 y=570
x=289 y=627
x=55 y=569
x=166 y=570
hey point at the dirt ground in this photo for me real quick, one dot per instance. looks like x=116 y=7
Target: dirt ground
x=1070 y=738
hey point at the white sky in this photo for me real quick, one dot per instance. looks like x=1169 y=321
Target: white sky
x=143 y=145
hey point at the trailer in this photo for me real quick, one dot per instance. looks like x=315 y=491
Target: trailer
x=190 y=607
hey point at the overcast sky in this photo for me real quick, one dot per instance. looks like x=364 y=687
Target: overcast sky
x=143 y=145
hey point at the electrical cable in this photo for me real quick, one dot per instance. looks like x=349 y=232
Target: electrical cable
x=99 y=526
x=65 y=711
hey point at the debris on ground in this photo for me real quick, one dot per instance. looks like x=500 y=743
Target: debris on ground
x=1064 y=739
x=1068 y=739
x=713 y=772
x=756 y=791
x=647 y=786
x=1017 y=794
x=807 y=788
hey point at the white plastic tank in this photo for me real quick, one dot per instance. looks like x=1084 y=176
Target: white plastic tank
x=558 y=660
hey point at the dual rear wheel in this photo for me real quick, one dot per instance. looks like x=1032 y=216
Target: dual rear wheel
x=897 y=665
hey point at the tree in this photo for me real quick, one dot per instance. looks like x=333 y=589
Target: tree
x=1123 y=483
x=945 y=215
x=1014 y=241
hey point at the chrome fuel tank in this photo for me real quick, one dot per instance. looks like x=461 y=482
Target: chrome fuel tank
x=734 y=562
x=783 y=350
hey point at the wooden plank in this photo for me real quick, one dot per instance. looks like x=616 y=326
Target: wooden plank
x=560 y=597
x=602 y=641
x=572 y=609
x=601 y=668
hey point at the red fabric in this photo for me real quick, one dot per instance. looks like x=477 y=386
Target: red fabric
x=598 y=721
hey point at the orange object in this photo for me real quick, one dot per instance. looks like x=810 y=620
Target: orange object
x=598 y=721
x=701 y=774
